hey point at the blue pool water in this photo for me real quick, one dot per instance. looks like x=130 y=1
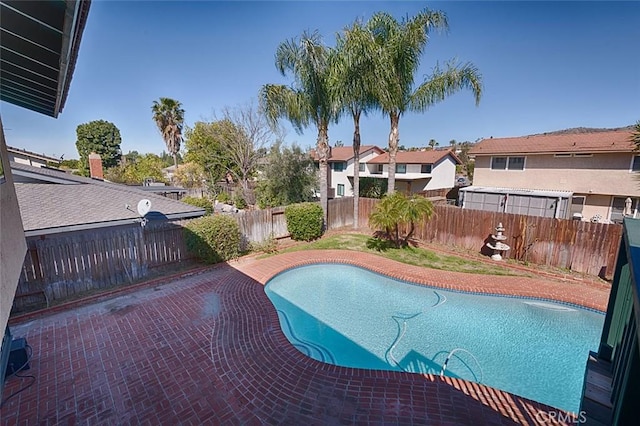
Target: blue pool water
x=349 y=316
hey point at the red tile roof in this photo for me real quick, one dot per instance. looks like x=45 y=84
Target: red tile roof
x=345 y=153
x=415 y=157
x=608 y=141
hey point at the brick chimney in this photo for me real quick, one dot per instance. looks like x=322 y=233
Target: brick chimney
x=95 y=166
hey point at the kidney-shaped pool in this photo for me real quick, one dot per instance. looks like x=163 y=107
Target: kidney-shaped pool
x=352 y=317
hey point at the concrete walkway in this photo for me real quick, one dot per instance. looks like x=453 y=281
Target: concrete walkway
x=208 y=349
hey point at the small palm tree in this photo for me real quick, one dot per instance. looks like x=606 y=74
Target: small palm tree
x=433 y=143
x=396 y=210
x=417 y=209
x=353 y=81
x=387 y=216
x=309 y=100
x=168 y=115
x=399 y=49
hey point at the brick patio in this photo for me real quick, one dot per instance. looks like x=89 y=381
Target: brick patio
x=207 y=349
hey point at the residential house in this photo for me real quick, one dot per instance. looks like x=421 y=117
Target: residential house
x=341 y=166
x=22 y=156
x=85 y=233
x=52 y=202
x=590 y=175
x=416 y=171
x=40 y=45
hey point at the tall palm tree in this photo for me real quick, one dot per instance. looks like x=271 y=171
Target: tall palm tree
x=400 y=47
x=169 y=117
x=309 y=100
x=353 y=81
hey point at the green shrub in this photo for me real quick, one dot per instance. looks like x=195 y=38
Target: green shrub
x=304 y=221
x=371 y=187
x=204 y=203
x=214 y=239
x=240 y=202
x=224 y=197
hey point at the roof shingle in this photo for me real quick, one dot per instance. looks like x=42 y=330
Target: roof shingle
x=415 y=157
x=608 y=141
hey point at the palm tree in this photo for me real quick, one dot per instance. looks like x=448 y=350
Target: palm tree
x=417 y=208
x=400 y=46
x=433 y=143
x=169 y=117
x=352 y=80
x=309 y=100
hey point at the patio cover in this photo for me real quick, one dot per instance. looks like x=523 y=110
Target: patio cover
x=38 y=51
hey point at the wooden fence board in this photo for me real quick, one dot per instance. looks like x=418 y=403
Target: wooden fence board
x=62 y=265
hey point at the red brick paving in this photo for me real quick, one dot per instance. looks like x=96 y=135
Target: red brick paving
x=208 y=349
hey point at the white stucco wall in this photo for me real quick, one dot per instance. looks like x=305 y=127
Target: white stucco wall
x=12 y=243
x=342 y=177
x=600 y=178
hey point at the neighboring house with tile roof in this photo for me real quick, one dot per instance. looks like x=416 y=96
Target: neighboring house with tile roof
x=52 y=201
x=598 y=170
x=416 y=171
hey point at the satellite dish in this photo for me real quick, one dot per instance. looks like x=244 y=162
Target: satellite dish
x=143 y=207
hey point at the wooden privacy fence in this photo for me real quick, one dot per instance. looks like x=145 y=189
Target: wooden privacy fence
x=260 y=225
x=63 y=265
x=585 y=247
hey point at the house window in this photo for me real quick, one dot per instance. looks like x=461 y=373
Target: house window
x=361 y=167
x=516 y=163
x=339 y=166
x=425 y=168
x=577 y=205
x=582 y=154
x=379 y=168
x=507 y=163
x=341 y=189
x=562 y=155
x=498 y=163
x=620 y=209
x=401 y=168
x=635 y=165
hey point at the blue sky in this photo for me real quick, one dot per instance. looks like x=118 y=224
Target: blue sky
x=546 y=66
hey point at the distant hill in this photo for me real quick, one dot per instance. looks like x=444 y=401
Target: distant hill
x=577 y=130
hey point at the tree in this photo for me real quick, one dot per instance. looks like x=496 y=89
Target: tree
x=288 y=177
x=203 y=144
x=433 y=143
x=635 y=135
x=190 y=175
x=148 y=166
x=168 y=115
x=395 y=210
x=101 y=137
x=453 y=144
x=353 y=80
x=309 y=100
x=399 y=49
x=243 y=140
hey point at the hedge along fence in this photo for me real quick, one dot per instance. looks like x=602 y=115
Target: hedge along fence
x=258 y=226
x=584 y=247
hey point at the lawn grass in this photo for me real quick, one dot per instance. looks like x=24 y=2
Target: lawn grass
x=410 y=255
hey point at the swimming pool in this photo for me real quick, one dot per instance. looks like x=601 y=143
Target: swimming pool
x=352 y=317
